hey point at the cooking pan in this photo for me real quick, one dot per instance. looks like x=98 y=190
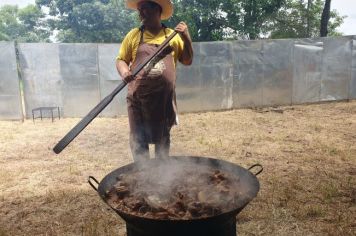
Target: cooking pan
x=248 y=183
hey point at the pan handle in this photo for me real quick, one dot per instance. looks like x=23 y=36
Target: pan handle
x=90 y=178
x=257 y=165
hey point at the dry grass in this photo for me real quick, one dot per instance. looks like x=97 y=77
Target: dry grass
x=308 y=186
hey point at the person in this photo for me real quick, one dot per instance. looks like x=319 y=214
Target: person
x=150 y=99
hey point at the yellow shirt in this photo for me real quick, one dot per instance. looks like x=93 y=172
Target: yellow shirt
x=131 y=41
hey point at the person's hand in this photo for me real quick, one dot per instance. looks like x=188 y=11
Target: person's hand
x=187 y=54
x=128 y=77
x=182 y=29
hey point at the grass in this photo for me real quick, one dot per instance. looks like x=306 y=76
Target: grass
x=307 y=186
x=329 y=191
x=2 y=232
x=315 y=211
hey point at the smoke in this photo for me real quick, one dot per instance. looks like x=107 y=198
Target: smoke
x=160 y=180
x=161 y=176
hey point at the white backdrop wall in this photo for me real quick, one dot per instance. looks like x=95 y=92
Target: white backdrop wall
x=229 y=74
x=10 y=99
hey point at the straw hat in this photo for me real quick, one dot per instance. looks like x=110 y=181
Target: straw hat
x=167 y=7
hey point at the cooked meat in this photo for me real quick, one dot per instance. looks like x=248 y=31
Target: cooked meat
x=190 y=193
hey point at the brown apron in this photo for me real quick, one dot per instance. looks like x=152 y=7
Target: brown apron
x=151 y=103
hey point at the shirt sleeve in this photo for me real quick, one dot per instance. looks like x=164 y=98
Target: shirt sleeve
x=125 y=52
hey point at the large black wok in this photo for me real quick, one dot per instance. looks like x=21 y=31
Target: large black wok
x=218 y=225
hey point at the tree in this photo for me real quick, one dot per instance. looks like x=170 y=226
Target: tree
x=94 y=21
x=301 y=19
x=211 y=20
x=257 y=14
x=9 y=24
x=325 y=19
x=308 y=17
x=108 y=21
x=23 y=24
x=204 y=17
x=34 y=25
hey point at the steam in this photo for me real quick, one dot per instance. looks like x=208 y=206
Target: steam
x=161 y=179
x=181 y=188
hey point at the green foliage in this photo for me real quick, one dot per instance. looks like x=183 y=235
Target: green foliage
x=252 y=19
x=104 y=21
x=295 y=20
x=108 y=21
x=205 y=18
x=24 y=25
x=9 y=23
x=211 y=20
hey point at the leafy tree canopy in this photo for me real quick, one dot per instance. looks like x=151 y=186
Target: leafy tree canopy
x=101 y=21
x=23 y=24
x=211 y=20
x=108 y=21
x=297 y=20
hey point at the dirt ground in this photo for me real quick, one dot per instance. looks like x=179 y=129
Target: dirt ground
x=308 y=186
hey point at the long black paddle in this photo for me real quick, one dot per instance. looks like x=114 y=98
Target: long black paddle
x=98 y=108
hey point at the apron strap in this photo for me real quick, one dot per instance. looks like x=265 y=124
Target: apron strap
x=142 y=28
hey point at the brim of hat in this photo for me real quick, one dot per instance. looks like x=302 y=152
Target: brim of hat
x=167 y=7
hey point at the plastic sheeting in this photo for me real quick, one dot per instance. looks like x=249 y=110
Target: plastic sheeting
x=63 y=75
x=40 y=69
x=278 y=72
x=336 y=72
x=188 y=83
x=10 y=98
x=206 y=84
x=217 y=75
x=248 y=73
x=353 y=71
x=307 y=72
x=263 y=73
x=80 y=75
x=110 y=79
x=224 y=75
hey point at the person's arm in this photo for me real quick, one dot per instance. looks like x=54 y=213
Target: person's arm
x=124 y=70
x=186 y=57
x=124 y=58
